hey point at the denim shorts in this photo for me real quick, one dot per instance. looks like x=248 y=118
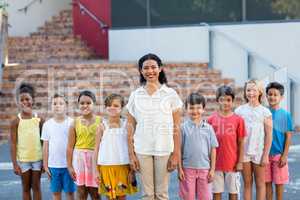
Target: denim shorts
x=61 y=180
x=34 y=166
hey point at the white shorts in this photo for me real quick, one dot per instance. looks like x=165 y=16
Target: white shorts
x=226 y=180
x=34 y=166
x=256 y=159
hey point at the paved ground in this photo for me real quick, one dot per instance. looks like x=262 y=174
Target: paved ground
x=10 y=185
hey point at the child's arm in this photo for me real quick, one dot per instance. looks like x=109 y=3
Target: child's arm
x=99 y=134
x=268 y=126
x=283 y=158
x=175 y=156
x=70 y=148
x=211 y=172
x=13 y=146
x=45 y=157
x=239 y=165
x=131 y=124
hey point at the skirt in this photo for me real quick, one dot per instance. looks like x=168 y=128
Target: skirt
x=116 y=180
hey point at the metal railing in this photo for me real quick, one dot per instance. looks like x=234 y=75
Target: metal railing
x=84 y=9
x=25 y=8
x=292 y=81
x=3 y=41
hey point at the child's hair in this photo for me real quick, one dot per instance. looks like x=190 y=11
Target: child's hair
x=87 y=93
x=25 y=88
x=195 y=98
x=162 y=78
x=277 y=86
x=225 y=91
x=260 y=88
x=57 y=95
x=109 y=99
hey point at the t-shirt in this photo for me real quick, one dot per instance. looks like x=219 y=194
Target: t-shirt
x=228 y=130
x=154 y=117
x=254 y=118
x=282 y=123
x=196 y=144
x=57 y=136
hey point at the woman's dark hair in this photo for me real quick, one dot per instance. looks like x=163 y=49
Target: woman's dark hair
x=25 y=88
x=87 y=93
x=195 y=98
x=109 y=99
x=162 y=78
x=225 y=91
x=277 y=86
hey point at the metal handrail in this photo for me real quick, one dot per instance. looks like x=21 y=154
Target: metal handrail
x=249 y=51
x=91 y=15
x=25 y=8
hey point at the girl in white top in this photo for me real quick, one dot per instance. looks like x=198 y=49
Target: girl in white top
x=154 y=112
x=258 y=121
x=115 y=178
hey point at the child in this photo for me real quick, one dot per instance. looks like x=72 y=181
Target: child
x=230 y=132
x=26 y=147
x=196 y=172
x=80 y=149
x=111 y=153
x=277 y=169
x=258 y=121
x=55 y=137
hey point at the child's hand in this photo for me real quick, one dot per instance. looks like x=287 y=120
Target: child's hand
x=17 y=169
x=211 y=175
x=47 y=172
x=134 y=163
x=98 y=178
x=282 y=161
x=172 y=162
x=239 y=166
x=181 y=176
x=264 y=160
x=72 y=173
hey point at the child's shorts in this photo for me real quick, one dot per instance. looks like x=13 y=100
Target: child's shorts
x=195 y=183
x=34 y=166
x=84 y=167
x=226 y=180
x=275 y=174
x=61 y=180
x=256 y=159
x=116 y=180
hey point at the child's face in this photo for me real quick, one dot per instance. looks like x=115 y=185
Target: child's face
x=252 y=92
x=195 y=111
x=150 y=70
x=114 y=110
x=59 y=105
x=225 y=103
x=274 y=97
x=25 y=102
x=86 y=105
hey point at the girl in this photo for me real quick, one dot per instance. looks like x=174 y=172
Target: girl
x=153 y=126
x=26 y=147
x=81 y=144
x=111 y=153
x=258 y=121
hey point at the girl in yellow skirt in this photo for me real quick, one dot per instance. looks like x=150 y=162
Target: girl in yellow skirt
x=115 y=178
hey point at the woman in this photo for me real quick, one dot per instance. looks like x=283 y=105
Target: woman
x=154 y=112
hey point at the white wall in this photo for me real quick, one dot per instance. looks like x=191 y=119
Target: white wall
x=22 y=24
x=172 y=44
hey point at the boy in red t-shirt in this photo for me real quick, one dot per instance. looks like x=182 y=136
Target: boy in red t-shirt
x=230 y=132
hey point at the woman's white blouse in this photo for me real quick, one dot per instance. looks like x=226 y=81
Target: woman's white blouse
x=154 y=116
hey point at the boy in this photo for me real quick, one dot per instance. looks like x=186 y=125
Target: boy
x=196 y=171
x=277 y=169
x=230 y=132
x=55 y=137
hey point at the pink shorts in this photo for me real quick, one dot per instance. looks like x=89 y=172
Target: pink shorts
x=275 y=174
x=84 y=167
x=196 y=182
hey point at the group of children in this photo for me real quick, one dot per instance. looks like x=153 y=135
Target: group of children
x=91 y=152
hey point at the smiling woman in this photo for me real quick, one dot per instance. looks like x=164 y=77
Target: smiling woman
x=153 y=128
